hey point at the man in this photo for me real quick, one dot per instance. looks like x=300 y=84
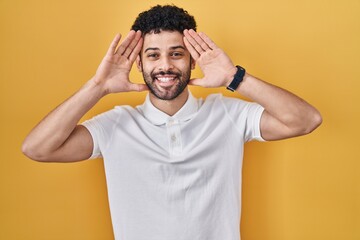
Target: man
x=172 y=164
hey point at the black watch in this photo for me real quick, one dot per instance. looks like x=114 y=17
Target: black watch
x=239 y=76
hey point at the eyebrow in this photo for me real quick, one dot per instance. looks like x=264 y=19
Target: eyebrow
x=149 y=49
x=172 y=48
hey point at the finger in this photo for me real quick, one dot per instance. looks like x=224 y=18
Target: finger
x=195 y=55
x=199 y=41
x=138 y=87
x=132 y=44
x=114 y=44
x=121 y=49
x=196 y=81
x=193 y=42
x=208 y=41
x=136 y=50
x=198 y=38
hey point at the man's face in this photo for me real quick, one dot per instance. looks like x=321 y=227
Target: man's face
x=165 y=63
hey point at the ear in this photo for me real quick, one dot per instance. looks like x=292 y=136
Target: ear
x=192 y=63
x=138 y=63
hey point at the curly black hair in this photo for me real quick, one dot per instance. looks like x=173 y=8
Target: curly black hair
x=166 y=17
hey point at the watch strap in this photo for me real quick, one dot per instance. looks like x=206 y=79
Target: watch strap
x=238 y=78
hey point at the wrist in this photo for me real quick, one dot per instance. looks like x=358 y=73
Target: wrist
x=96 y=87
x=237 y=79
x=230 y=76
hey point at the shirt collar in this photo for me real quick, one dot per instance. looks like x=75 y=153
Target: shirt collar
x=158 y=117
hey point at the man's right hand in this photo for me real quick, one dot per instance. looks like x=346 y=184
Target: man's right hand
x=113 y=73
x=58 y=138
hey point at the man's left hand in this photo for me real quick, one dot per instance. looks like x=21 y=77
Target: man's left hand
x=215 y=64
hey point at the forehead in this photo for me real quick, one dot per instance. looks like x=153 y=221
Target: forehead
x=163 y=40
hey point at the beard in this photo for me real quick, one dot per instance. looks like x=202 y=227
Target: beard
x=181 y=80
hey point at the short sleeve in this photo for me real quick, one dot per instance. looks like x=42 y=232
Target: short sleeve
x=101 y=129
x=94 y=127
x=246 y=117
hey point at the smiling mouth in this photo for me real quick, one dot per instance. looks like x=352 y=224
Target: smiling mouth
x=165 y=79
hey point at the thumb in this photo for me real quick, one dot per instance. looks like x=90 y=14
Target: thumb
x=196 y=81
x=138 y=87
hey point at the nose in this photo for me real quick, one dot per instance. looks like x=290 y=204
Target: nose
x=165 y=64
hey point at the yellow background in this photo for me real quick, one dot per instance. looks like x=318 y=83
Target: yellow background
x=302 y=188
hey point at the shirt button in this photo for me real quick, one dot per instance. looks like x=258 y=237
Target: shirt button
x=173 y=138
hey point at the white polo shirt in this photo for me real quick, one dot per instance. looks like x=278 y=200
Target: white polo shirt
x=175 y=177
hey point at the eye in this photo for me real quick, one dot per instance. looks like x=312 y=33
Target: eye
x=153 y=55
x=177 y=54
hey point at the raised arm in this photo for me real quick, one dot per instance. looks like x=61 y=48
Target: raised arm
x=58 y=137
x=286 y=115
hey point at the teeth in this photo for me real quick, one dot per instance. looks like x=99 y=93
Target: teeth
x=165 y=79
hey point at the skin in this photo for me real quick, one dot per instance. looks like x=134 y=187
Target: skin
x=59 y=138
x=165 y=57
x=286 y=115
x=166 y=52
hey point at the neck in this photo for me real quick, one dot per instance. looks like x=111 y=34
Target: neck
x=170 y=107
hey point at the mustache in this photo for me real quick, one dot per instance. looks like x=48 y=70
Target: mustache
x=154 y=74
